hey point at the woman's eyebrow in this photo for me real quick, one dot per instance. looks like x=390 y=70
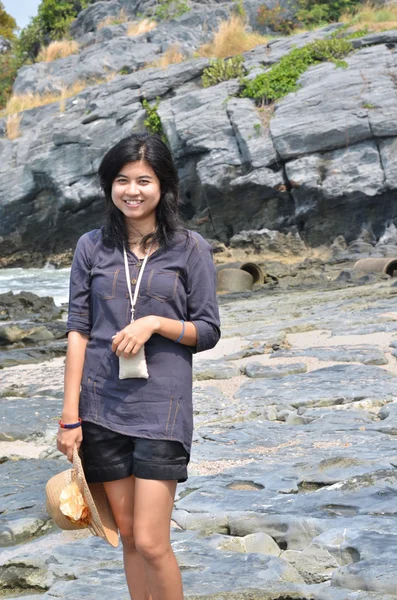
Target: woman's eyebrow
x=139 y=176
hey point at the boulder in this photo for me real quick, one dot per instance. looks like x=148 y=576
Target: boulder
x=5 y=44
x=26 y=305
x=321 y=166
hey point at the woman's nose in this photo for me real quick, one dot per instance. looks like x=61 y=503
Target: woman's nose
x=132 y=189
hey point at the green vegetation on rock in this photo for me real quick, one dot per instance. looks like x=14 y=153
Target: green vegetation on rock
x=223 y=70
x=313 y=12
x=9 y=65
x=170 y=9
x=309 y=13
x=239 y=10
x=281 y=79
x=153 y=121
x=51 y=23
x=342 y=33
x=9 y=61
x=278 y=18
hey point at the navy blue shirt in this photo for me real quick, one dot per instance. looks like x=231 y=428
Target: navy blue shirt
x=179 y=282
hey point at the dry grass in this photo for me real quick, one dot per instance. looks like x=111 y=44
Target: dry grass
x=12 y=127
x=141 y=27
x=170 y=57
x=231 y=38
x=122 y=17
x=374 y=17
x=56 y=50
x=17 y=104
x=265 y=114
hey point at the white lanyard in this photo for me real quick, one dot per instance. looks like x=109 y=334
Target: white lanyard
x=138 y=283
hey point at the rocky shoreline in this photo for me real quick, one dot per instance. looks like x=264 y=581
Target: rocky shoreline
x=293 y=478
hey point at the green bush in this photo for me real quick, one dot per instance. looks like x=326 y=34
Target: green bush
x=309 y=13
x=282 y=78
x=223 y=70
x=9 y=65
x=239 y=10
x=153 y=121
x=8 y=24
x=52 y=22
x=170 y=9
x=277 y=18
x=313 y=12
x=341 y=33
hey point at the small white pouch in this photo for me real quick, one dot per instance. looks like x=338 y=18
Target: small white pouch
x=135 y=365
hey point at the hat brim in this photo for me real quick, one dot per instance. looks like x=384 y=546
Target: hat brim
x=101 y=521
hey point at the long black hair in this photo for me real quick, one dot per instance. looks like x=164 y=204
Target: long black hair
x=152 y=149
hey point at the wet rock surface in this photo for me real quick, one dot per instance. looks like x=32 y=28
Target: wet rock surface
x=32 y=329
x=293 y=478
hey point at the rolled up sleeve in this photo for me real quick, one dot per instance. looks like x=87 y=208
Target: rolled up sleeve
x=201 y=297
x=79 y=316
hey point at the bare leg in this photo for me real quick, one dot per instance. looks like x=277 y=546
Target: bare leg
x=153 y=503
x=121 y=497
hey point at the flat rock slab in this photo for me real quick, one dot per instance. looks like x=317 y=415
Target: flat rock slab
x=292 y=486
x=22 y=498
x=89 y=568
x=214 y=369
x=338 y=384
x=255 y=370
x=24 y=418
x=362 y=354
x=375 y=575
x=29 y=356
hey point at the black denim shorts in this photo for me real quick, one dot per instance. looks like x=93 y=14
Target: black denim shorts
x=108 y=456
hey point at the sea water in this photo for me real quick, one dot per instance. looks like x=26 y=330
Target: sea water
x=47 y=281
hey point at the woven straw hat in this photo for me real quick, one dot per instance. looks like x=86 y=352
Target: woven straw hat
x=100 y=519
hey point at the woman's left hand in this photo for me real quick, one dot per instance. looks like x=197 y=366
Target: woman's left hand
x=129 y=340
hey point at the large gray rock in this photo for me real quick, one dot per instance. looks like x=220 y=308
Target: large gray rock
x=324 y=165
x=94 y=63
x=310 y=121
x=322 y=387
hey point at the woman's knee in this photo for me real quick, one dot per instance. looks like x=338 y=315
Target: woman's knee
x=127 y=534
x=151 y=549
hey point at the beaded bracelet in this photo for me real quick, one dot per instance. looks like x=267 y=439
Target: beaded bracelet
x=69 y=425
x=182 y=334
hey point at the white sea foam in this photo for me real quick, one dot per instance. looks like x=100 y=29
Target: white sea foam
x=43 y=282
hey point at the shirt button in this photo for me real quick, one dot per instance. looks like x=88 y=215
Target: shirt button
x=138 y=264
x=133 y=281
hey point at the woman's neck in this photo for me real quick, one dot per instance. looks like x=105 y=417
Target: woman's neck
x=137 y=233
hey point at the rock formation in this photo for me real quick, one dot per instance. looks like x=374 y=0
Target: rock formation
x=324 y=164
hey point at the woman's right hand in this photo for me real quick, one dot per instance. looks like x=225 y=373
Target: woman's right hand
x=67 y=439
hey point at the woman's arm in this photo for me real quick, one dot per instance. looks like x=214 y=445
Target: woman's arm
x=74 y=363
x=132 y=337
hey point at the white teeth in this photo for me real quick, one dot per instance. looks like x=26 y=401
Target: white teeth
x=133 y=203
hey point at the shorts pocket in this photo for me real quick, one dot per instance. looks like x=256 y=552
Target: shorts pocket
x=104 y=284
x=162 y=285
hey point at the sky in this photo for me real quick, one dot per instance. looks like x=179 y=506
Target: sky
x=21 y=10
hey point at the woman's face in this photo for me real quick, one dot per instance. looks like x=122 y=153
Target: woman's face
x=136 y=192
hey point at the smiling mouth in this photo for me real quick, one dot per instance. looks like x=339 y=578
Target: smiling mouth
x=133 y=202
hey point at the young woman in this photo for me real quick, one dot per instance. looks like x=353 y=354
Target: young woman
x=136 y=433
